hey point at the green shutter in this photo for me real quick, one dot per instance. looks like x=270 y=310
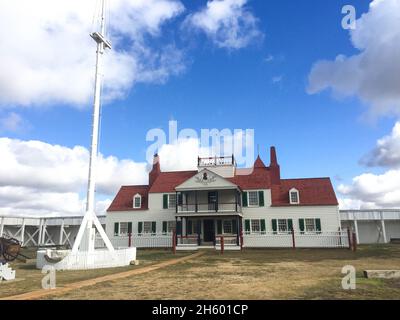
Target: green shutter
x=234 y=226
x=153 y=227
x=129 y=227
x=274 y=225
x=219 y=226
x=247 y=226
x=140 y=227
x=290 y=224
x=301 y=225
x=189 y=227
x=165 y=201
x=261 y=198
x=244 y=199
x=116 y=228
x=164 y=227
x=318 y=225
x=262 y=226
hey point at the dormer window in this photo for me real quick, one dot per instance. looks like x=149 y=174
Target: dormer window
x=137 y=201
x=294 y=196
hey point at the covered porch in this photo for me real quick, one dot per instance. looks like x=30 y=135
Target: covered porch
x=196 y=232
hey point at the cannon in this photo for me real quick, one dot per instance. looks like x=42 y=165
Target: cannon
x=10 y=250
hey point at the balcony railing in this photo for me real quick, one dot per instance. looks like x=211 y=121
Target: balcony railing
x=215 y=161
x=210 y=207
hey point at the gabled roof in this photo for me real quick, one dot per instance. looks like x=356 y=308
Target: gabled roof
x=206 y=179
x=312 y=191
x=167 y=181
x=259 y=163
x=123 y=201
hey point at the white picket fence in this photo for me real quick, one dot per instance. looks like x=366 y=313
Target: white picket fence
x=259 y=240
x=299 y=240
x=143 y=240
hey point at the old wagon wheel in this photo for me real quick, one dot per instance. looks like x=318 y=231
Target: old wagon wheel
x=10 y=249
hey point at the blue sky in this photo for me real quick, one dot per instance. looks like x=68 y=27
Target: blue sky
x=262 y=86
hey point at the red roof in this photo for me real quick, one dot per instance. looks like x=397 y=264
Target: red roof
x=313 y=191
x=167 y=181
x=123 y=201
x=255 y=178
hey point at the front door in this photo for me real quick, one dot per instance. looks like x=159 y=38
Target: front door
x=209 y=231
x=213 y=201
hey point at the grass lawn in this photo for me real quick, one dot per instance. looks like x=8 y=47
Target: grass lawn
x=28 y=278
x=251 y=274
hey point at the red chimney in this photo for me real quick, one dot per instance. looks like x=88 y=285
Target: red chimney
x=155 y=171
x=274 y=167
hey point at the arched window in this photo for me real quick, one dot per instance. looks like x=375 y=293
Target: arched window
x=137 y=201
x=294 y=197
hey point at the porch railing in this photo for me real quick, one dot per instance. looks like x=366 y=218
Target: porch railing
x=210 y=207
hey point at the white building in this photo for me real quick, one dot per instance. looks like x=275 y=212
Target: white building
x=220 y=199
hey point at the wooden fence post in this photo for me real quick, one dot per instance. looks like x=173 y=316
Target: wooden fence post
x=222 y=245
x=174 y=242
x=354 y=241
x=293 y=239
x=349 y=237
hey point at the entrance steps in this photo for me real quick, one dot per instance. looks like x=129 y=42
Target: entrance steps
x=6 y=273
x=192 y=247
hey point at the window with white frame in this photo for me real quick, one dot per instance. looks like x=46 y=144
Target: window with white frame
x=255 y=226
x=253 y=198
x=123 y=228
x=227 y=226
x=172 y=201
x=294 y=196
x=282 y=225
x=170 y=226
x=310 y=225
x=147 y=227
x=137 y=201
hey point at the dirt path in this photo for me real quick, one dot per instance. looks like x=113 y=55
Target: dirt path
x=85 y=283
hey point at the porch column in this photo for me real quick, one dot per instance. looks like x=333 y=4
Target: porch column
x=2 y=226
x=195 y=200
x=356 y=230
x=237 y=230
x=383 y=228
x=176 y=230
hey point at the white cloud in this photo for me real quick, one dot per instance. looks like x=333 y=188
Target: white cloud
x=370 y=190
x=373 y=190
x=12 y=122
x=373 y=74
x=40 y=178
x=47 y=56
x=228 y=23
x=386 y=152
